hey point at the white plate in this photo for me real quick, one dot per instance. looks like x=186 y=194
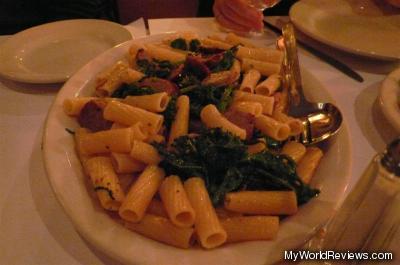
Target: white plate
x=66 y=178
x=389 y=98
x=52 y=52
x=337 y=24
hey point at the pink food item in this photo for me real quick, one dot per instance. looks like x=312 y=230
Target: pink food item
x=243 y=14
x=196 y=65
x=91 y=117
x=160 y=85
x=241 y=119
x=238 y=15
x=226 y=21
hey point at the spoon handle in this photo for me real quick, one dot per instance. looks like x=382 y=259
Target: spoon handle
x=292 y=64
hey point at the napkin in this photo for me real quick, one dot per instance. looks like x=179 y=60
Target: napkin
x=137 y=28
x=206 y=25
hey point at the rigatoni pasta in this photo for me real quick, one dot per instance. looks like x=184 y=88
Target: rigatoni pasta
x=226 y=77
x=216 y=44
x=145 y=153
x=138 y=132
x=234 y=39
x=250 y=80
x=180 y=125
x=73 y=106
x=265 y=68
x=105 y=182
x=110 y=80
x=269 y=86
x=262 y=202
x=260 y=54
x=161 y=53
x=208 y=227
x=161 y=229
x=176 y=202
x=155 y=138
x=273 y=128
x=252 y=107
x=309 y=163
x=129 y=115
x=141 y=193
x=296 y=125
x=294 y=150
x=212 y=118
x=117 y=140
x=256 y=148
x=132 y=53
x=248 y=228
x=125 y=164
x=266 y=102
x=157 y=102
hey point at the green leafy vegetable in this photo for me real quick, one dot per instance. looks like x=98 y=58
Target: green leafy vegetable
x=270 y=142
x=226 y=99
x=226 y=61
x=179 y=43
x=131 y=90
x=155 y=68
x=221 y=159
x=194 y=45
x=187 y=80
x=268 y=171
x=201 y=96
x=170 y=112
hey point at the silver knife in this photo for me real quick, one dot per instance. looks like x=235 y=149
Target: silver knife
x=323 y=56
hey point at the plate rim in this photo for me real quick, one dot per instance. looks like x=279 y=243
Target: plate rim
x=56 y=78
x=369 y=54
x=92 y=238
x=389 y=93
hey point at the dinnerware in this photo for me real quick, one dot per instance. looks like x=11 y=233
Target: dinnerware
x=97 y=227
x=321 y=120
x=389 y=98
x=277 y=28
x=52 y=52
x=337 y=24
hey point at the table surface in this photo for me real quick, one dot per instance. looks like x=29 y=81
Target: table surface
x=33 y=227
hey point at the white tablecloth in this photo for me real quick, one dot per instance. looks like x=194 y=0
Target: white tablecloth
x=33 y=227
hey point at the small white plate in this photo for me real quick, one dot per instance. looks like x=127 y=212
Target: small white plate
x=389 y=98
x=336 y=23
x=53 y=52
x=68 y=182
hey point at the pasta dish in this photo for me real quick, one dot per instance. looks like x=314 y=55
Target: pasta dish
x=188 y=142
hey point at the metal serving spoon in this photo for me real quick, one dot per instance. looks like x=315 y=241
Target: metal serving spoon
x=320 y=120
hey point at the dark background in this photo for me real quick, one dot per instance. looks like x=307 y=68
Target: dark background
x=17 y=15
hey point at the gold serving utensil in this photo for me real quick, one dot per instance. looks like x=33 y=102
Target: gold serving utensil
x=321 y=120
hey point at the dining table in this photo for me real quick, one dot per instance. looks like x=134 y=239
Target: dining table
x=34 y=229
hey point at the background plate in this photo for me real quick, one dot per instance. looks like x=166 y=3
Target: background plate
x=66 y=178
x=52 y=52
x=389 y=98
x=335 y=23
